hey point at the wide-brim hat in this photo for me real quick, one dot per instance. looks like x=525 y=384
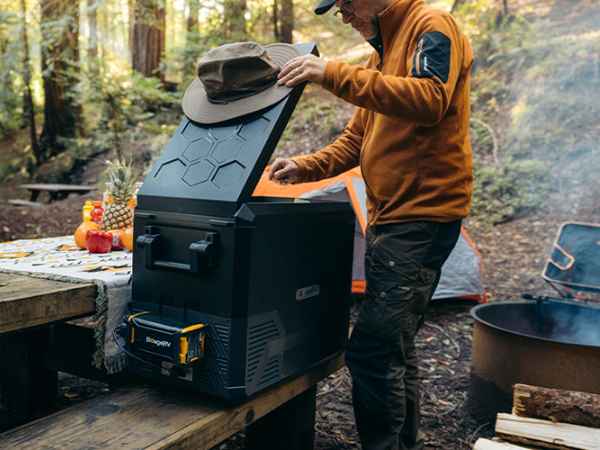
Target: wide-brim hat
x=323 y=6
x=198 y=107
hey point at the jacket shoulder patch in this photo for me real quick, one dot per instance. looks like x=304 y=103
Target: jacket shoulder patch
x=432 y=56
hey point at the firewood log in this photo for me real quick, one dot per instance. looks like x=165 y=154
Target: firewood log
x=487 y=444
x=546 y=434
x=557 y=405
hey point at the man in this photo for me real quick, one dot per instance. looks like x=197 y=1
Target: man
x=409 y=134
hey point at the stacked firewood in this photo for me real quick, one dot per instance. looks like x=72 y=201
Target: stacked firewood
x=547 y=418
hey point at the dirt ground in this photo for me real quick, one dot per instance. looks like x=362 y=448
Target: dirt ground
x=513 y=255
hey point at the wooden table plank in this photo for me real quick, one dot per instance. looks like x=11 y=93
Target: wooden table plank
x=149 y=418
x=27 y=302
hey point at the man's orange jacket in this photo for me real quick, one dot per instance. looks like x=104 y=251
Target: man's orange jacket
x=410 y=132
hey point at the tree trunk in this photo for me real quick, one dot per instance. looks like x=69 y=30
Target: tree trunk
x=502 y=13
x=192 y=21
x=148 y=37
x=234 y=20
x=28 y=108
x=60 y=73
x=276 y=31
x=578 y=408
x=287 y=21
x=456 y=4
x=191 y=38
x=92 y=16
x=130 y=22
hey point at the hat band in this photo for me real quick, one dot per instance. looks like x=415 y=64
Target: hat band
x=238 y=94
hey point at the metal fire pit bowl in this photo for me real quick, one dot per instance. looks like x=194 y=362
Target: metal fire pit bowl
x=548 y=343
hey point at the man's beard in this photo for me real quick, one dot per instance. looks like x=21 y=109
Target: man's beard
x=366 y=27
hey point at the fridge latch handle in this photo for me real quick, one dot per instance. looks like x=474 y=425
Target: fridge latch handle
x=149 y=242
x=203 y=254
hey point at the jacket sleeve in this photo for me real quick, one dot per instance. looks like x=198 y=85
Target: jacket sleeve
x=424 y=95
x=341 y=155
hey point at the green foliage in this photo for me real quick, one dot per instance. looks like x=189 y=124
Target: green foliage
x=558 y=114
x=123 y=103
x=181 y=62
x=509 y=179
x=15 y=165
x=121 y=113
x=554 y=116
x=509 y=189
x=494 y=39
x=492 y=35
x=484 y=141
x=533 y=95
x=10 y=99
x=313 y=116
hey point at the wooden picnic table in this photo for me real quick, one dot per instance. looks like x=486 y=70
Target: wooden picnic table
x=56 y=191
x=133 y=416
x=28 y=306
x=27 y=302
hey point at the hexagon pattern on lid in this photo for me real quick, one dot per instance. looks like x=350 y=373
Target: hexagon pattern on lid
x=198 y=173
x=197 y=149
x=212 y=162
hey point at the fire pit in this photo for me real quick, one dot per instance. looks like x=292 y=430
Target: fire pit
x=542 y=341
x=548 y=343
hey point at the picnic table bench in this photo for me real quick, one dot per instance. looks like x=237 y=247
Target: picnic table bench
x=133 y=416
x=21 y=202
x=55 y=191
x=150 y=418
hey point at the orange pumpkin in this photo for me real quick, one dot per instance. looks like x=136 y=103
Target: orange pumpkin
x=81 y=233
x=127 y=238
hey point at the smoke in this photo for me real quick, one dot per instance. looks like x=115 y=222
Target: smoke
x=555 y=118
x=575 y=324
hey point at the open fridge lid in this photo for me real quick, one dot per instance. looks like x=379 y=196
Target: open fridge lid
x=218 y=163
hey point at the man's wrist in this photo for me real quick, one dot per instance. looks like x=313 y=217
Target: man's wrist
x=329 y=75
x=301 y=168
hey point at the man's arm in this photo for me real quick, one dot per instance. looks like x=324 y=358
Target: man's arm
x=424 y=95
x=343 y=154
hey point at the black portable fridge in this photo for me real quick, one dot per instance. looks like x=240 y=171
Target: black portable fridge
x=232 y=293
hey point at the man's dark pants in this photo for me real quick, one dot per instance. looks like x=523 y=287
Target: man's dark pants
x=403 y=263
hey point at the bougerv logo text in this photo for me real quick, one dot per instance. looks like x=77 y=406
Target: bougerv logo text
x=151 y=340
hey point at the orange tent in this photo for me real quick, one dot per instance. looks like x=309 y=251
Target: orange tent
x=461 y=275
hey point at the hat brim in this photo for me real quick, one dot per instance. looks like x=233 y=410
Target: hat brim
x=198 y=108
x=323 y=6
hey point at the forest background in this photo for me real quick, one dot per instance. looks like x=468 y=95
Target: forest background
x=86 y=81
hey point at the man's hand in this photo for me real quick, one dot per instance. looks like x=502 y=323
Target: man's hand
x=303 y=68
x=285 y=171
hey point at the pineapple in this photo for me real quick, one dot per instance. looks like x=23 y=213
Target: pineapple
x=120 y=186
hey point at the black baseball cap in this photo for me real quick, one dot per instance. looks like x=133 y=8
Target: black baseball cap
x=323 y=6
